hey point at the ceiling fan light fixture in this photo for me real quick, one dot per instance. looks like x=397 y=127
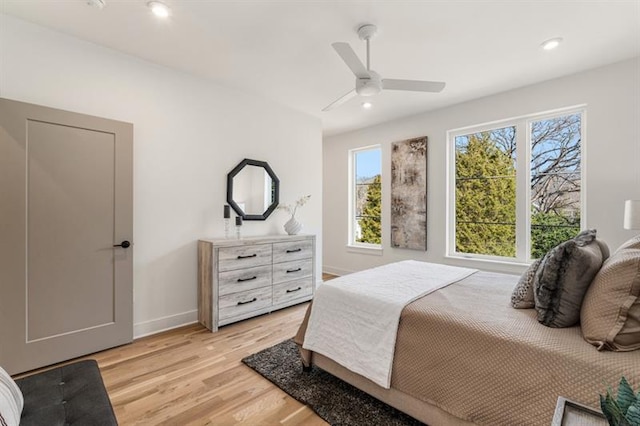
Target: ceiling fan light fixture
x=368 y=89
x=97 y=3
x=552 y=43
x=370 y=86
x=159 y=9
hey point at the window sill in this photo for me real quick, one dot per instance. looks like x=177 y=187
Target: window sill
x=370 y=250
x=515 y=266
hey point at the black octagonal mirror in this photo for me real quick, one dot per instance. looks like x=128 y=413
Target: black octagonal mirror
x=253 y=189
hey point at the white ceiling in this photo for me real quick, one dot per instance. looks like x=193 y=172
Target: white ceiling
x=282 y=49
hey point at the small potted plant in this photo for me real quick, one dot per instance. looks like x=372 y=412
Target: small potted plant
x=624 y=410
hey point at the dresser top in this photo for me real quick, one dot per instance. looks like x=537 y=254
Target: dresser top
x=263 y=239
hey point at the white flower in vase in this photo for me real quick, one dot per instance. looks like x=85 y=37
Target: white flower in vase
x=292 y=226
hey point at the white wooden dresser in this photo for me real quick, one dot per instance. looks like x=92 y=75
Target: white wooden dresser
x=242 y=278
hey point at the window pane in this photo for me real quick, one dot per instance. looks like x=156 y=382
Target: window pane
x=555 y=182
x=486 y=192
x=367 y=194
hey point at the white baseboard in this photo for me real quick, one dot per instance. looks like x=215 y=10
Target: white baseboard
x=335 y=271
x=158 y=325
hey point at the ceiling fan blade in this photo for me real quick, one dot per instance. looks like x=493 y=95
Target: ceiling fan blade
x=413 y=85
x=351 y=59
x=344 y=98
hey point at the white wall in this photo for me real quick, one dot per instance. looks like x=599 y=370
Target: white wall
x=612 y=96
x=188 y=134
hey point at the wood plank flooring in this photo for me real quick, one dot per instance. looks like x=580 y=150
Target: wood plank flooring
x=190 y=376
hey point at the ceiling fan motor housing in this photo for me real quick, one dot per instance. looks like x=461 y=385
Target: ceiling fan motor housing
x=369 y=86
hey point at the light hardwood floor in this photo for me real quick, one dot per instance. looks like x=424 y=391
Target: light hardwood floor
x=190 y=376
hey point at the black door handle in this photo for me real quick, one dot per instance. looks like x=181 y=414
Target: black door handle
x=124 y=244
x=248 y=301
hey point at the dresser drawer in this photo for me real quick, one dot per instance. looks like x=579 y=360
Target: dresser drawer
x=244 y=279
x=289 y=271
x=230 y=258
x=289 y=291
x=236 y=304
x=292 y=250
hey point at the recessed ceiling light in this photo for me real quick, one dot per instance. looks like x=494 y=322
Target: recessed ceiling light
x=367 y=105
x=159 y=9
x=552 y=43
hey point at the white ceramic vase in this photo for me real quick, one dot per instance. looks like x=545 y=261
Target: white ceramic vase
x=292 y=226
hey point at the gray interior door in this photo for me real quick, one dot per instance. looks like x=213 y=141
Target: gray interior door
x=65 y=203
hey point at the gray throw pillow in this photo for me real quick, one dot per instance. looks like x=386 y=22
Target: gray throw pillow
x=563 y=277
x=522 y=296
x=604 y=249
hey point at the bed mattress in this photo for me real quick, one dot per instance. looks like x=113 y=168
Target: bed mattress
x=465 y=350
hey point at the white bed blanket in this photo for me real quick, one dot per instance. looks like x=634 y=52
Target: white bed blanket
x=354 y=319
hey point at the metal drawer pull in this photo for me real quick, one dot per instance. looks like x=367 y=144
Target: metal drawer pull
x=294 y=270
x=294 y=250
x=248 y=301
x=246 y=279
x=295 y=289
x=247 y=257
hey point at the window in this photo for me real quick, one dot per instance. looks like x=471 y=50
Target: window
x=366 y=197
x=516 y=186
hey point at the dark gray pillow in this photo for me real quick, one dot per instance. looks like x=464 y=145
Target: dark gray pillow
x=604 y=249
x=522 y=296
x=563 y=277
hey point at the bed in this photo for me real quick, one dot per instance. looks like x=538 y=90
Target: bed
x=464 y=356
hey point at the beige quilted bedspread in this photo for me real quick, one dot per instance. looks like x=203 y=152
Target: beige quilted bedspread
x=464 y=349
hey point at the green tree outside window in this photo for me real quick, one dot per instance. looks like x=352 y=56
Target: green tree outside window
x=370 y=227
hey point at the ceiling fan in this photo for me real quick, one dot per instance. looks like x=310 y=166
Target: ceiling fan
x=368 y=82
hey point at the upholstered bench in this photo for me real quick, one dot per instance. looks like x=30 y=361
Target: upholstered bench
x=73 y=394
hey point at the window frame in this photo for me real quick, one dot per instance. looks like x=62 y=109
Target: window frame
x=352 y=243
x=523 y=127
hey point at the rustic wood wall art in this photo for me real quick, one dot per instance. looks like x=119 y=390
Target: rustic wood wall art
x=409 y=194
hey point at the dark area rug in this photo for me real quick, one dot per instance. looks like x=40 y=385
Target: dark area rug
x=335 y=401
